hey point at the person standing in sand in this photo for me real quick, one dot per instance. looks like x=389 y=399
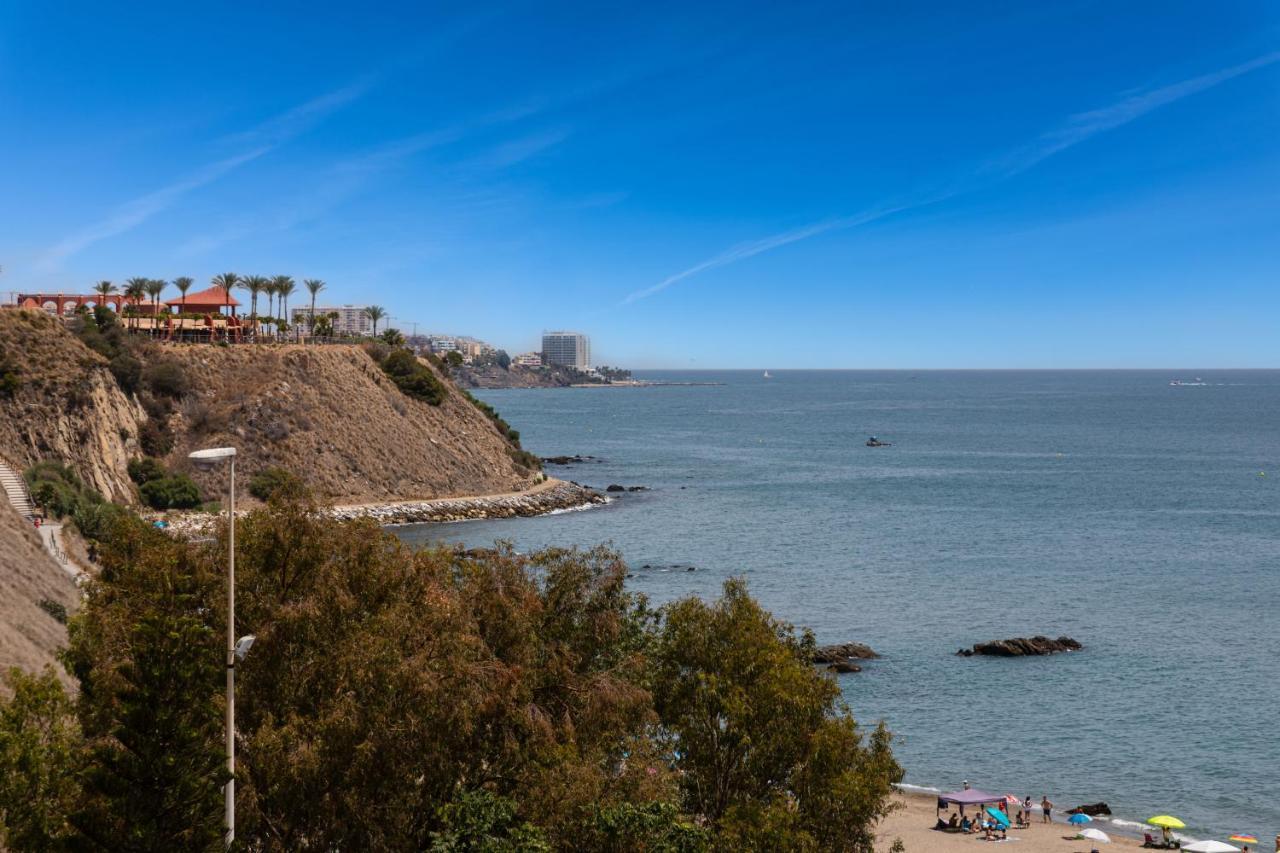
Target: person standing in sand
x=1047 y=808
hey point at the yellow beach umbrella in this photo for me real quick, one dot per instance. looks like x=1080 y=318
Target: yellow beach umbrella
x=1166 y=821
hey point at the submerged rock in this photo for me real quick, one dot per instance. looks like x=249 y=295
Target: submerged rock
x=614 y=487
x=1022 y=647
x=843 y=666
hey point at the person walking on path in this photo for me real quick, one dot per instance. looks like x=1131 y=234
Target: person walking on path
x=1047 y=808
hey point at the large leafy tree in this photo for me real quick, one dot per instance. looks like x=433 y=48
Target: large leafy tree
x=147 y=652
x=39 y=740
x=768 y=754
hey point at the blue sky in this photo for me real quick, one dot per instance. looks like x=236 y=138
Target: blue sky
x=851 y=184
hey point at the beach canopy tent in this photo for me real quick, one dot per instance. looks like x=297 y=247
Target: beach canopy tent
x=969 y=798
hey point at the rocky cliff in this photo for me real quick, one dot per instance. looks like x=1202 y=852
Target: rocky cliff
x=64 y=404
x=328 y=414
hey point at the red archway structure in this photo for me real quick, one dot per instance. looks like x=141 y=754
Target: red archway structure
x=65 y=303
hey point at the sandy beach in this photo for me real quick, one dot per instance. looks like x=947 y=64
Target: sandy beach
x=913 y=823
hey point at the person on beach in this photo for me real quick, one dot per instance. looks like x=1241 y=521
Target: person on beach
x=954 y=823
x=1047 y=808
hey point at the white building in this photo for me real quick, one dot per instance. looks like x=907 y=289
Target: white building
x=351 y=319
x=528 y=359
x=569 y=349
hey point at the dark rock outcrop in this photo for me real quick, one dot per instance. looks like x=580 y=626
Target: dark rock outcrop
x=567 y=460
x=614 y=487
x=1092 y=810
x=843 y=655
x=1023 y=647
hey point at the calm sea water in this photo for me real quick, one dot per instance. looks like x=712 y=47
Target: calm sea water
x=1109 y=506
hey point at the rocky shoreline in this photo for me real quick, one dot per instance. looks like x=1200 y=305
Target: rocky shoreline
x=561 y=496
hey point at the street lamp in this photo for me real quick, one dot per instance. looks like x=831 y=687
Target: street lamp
x=206 y=460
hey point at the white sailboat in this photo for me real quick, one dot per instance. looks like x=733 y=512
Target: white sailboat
x=767 y=375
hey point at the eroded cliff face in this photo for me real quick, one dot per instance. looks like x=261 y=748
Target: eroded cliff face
x=326 y=413
x=330 y=415
x=66 y=405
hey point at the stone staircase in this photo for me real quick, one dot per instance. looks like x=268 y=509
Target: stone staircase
x=16 y=489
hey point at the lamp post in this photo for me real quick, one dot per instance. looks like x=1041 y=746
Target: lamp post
x=207 y=459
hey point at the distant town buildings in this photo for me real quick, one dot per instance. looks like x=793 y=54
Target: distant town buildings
x=351 y=319
x=567 y=349
x=469 y=348
x=528 y=359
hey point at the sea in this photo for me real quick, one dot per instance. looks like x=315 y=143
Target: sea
x=1139 y=517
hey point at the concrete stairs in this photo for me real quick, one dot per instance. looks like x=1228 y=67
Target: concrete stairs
x=16 y=489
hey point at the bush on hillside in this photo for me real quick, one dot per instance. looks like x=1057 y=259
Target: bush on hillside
x=166 y=378
x=273 y=481
x=413 y=377
x=155 y=437
x=127 y=370
x=176 y=491
x=146 y=469
x=10 y=381
x=62 y=494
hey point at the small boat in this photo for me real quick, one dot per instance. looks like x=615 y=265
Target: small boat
x=875 y=442
x=768 y=375
x=1178 y=383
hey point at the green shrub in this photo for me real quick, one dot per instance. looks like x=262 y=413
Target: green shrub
x=56 y=609
x=413 y=377
x=272 y=481
x=166 y=378
x=146 y=469
x=10 y=381
x=176 y=491
x=155 y=437
x=56 y=487
x=127 y=370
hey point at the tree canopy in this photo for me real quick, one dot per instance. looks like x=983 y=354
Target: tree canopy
x=432 y=700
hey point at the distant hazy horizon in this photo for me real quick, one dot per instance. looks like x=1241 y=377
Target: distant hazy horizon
x=1069 y=186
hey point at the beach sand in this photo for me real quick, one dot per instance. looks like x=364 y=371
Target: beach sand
x=914 y=821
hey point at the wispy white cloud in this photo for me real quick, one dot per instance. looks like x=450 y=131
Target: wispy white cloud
x=1084 y=126
x=133 y=213
x=1077 y=129
x=750 y=249
x=264 y=138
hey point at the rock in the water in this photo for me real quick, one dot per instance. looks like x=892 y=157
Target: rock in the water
x=1092 y=810
x=567 y=460
x=843 y=652
x=842 y=666
x=637 y=488
x=614 y=487
x=1023 y=647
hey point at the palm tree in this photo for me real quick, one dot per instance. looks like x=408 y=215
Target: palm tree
x=284 y=289
x=134 y=290
x=393 y=337
x=226 y=281
x=375 y=313
x=104 y=289
x=254 y=284
x=183 y=283
x=155 y=287
x=313 y=286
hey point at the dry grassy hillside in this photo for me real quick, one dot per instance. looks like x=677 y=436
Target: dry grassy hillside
x=328 y=414
x=66 y=405
x=332 y=416
x=29 y=635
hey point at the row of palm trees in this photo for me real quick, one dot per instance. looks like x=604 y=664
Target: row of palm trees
x=282 y=286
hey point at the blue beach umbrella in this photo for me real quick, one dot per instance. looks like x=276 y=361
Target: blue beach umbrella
x=1079 y=819
x=999 y=816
